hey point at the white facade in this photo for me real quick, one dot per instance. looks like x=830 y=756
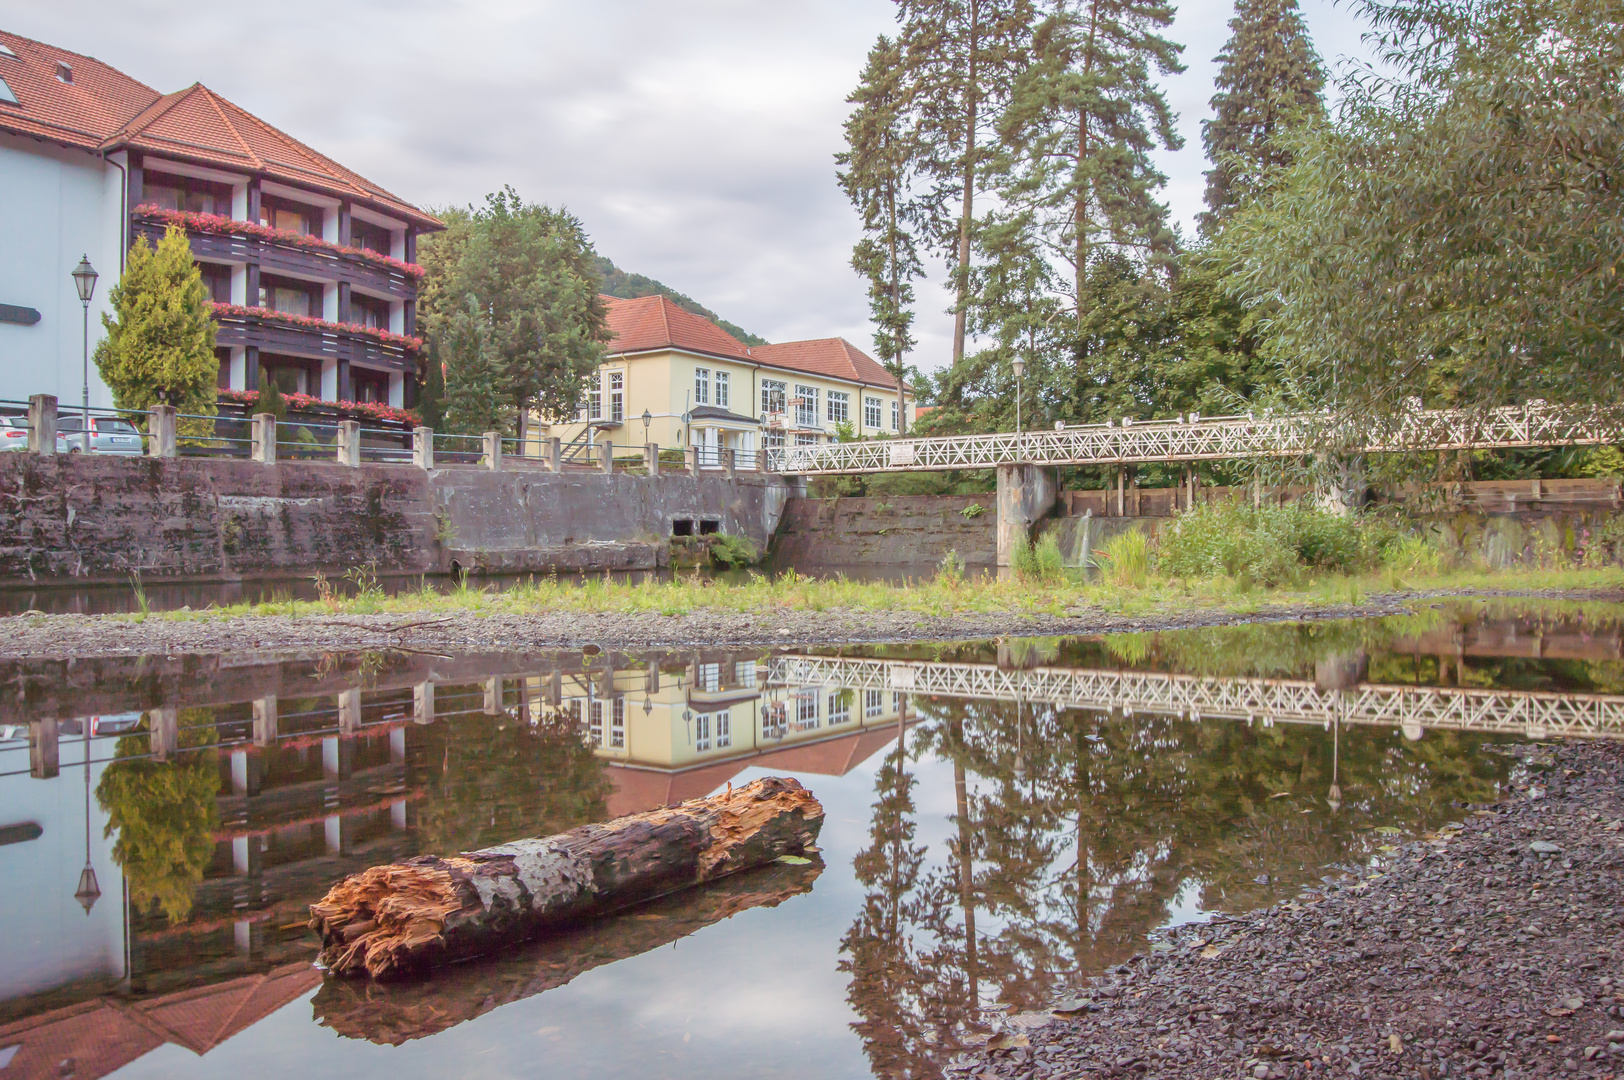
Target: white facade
x=57 y=205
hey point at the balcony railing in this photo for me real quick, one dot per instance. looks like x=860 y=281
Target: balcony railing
x=277 y=257
x=317 y=340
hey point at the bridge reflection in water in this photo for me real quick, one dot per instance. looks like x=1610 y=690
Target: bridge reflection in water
x=1021 y=813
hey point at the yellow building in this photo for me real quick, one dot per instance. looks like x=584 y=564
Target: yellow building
x=677 y=379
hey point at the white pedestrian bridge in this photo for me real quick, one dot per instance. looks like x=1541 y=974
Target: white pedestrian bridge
x=1412 y=709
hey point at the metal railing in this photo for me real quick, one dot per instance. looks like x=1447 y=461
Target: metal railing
x=1535 y=714
x=1218 y=438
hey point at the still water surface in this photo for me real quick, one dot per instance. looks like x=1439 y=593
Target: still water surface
x=1003 y=820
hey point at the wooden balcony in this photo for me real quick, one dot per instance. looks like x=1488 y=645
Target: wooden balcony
x=327 y=342
x=276 y=257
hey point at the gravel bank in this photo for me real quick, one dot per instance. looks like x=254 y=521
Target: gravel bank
x=37 y=635
x=1495 y=949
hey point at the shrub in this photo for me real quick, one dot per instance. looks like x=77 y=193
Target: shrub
x=950 y=571
x=1262 y=545
x=1039 y=563
x=1126 y=559
x=1413 y=554
x=731 y=552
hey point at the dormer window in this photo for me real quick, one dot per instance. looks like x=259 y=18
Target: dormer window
x=7 y=52
x=64 y=71
x=6 y=95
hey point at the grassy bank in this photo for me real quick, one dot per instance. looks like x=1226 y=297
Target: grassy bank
x=942 y=595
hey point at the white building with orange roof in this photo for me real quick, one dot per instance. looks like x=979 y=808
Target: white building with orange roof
x=310 y=266
x=677 y=379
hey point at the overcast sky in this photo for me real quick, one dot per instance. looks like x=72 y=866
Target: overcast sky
x=695 y=140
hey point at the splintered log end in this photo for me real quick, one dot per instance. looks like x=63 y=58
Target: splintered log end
x=378 y=921
x=757 y=823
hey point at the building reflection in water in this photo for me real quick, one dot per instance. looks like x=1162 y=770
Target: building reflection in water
x=1098 y=789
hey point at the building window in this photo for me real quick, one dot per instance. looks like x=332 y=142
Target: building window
x=773 y=396
x=772 y=439
x=894 y=416
x=724 y=729
x=701 y=386
x=367 y=311
x=873 y=703
x=806 y=711
x=218 y=280
x=806 y=406
x=185 y=193
x=617 y=725
x=744 y=672
x=594 y=399
x=871 y=412
x=839 y=406
x=572 y=709
x=702 y=732
x=289 y=217
x=721 y=389
x=290 y=297
x=839 y=707
x=370 y=237
x=369 y=385
x=617 y=396
x=898 y=700
x=595 y=715
x=805 y=438
x=709 y=677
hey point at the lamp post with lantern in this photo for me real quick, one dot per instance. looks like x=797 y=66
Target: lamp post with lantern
x=84 y=280
x=1020 y=371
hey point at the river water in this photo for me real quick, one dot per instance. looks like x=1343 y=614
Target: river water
x=1003 y=821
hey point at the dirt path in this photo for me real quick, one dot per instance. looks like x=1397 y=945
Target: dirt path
x=36 y=635
x=1494 y=949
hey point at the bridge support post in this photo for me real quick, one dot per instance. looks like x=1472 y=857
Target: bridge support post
x=1025 y=495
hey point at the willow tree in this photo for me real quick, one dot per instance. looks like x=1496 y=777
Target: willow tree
x=878 y=162
x=1269 y=79
x=1456 y=232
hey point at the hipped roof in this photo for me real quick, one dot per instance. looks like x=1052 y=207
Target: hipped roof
x=102 y=110
x=654 y=322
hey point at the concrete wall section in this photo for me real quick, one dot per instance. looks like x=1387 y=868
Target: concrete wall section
x=59 y=205
x=903 y=530
x=532 y=520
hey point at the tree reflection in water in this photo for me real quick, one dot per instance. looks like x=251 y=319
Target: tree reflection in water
x=1084 y=832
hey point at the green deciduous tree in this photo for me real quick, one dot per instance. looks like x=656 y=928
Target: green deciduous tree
x=878 y=163
x=474 y=397
x=526 y=273
x=1456 y=233
x=159 y=343
x=1269 y=79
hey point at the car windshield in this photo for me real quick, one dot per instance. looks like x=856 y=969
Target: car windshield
x=114 y=427
x=14 y=421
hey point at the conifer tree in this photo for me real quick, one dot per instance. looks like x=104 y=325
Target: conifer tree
x=476 y=398
x=1074 y=165
x=959 y=58
x=431 y=400
x=159 y=344
x=1270 y=77
x=878 y=164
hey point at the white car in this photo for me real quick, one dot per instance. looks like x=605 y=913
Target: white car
x=108 y=435
x=13 y=433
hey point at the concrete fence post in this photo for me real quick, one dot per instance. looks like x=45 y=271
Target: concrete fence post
x=493 y=695
x=163 y=733
x=265 y=717
x=730 y=462
x=423 y=448
x=606 y=455
x=692 y=453
x=555 y=454
x=349 y=443
x=262 y=438
x=423 y=703
x=42 y=423
x=161 y=429
x=349 y=711
x=651 y=458
x=492 y=456
x=44 y=749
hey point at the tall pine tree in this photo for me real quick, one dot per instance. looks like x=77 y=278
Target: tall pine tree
x=159 y=347
x=1270 y=78
x=960 y=58
x=878 y=163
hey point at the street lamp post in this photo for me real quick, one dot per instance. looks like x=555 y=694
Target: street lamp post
x=648 y=418
x=1020 y=370
x=84 y=280
x=88 y=890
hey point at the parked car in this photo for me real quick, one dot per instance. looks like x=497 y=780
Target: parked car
x=13 y=433
x=117 y=724
x=108 y=435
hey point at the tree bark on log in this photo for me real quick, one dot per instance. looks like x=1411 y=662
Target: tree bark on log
x=398 y=1012
x=394 y=920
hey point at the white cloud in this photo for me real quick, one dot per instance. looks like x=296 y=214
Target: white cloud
x=695 y=141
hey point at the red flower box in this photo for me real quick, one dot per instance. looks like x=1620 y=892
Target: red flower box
x=399 y=341
x=224 y=226
x=367 y=410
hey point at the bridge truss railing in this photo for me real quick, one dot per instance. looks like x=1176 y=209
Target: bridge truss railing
x=1533 y=714
x=1216 y=438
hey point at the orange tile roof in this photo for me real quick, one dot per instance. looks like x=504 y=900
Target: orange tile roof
x=835 y=358
x=103 y=110
x=654 y=322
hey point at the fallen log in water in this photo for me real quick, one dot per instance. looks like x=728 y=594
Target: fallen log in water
x=395 y=919
x=398 y=1012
